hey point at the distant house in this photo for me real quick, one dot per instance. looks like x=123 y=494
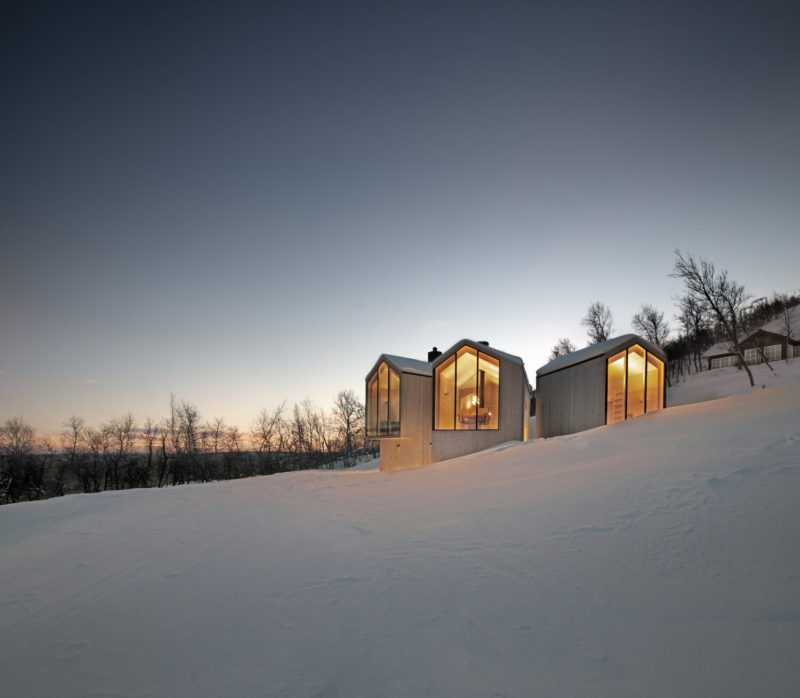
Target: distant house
x=771 y=338
x=468 y=398
x=602 y=384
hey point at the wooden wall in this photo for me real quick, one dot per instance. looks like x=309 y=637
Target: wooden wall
x=572 y=399
x=448 y=443
x=413 y=448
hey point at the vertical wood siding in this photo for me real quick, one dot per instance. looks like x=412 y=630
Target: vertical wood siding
x=572 y=399
x=454 y=443
x=413 y=448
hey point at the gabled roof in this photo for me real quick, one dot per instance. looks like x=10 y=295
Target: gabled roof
x=719 y=349
x=402 y=364
x=486 y=349
x=775 y=326
x=778 y=326
x=610 y=346
x=406 y=365
x=478 y=346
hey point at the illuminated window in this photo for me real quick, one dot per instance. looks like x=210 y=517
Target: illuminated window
x=372 y=404
x=655 y=383
x=635 y=384
x=467 y=391
x=383 y=402
x=394 y=403
x=615 y=407
x=445 y=394
x=466 y=388
x=488 y=391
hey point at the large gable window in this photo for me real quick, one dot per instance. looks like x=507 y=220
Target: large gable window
x=467 y=391
x=635 y=384
x=383 y=402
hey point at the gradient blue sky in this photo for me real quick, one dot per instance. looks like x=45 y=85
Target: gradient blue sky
x=241 y=203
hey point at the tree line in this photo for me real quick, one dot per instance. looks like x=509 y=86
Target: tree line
x=181 y=448
x=713 y=308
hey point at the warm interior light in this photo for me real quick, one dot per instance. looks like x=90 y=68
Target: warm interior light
x=474 y=400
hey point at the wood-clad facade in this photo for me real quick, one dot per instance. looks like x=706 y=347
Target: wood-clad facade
x=602 y=384
x=406 y=442
x=501 y=412
x=467 y=399
x=756 y=347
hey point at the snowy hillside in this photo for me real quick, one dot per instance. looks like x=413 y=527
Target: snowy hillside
x=657 y=557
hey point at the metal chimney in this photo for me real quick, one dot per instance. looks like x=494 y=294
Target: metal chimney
x=433 y=354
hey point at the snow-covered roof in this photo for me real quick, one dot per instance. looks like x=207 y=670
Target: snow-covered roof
x=778 y=325
x=487 y=349
x=406 y=365
x=479 y=346
x=718 y=349
x=775 y=326
x=403 y=364
x=596 y=350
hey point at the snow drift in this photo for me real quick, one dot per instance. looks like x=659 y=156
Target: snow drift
x=654 y=557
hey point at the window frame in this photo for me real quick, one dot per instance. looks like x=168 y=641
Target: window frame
x=453 y=357
x=647 y=355
x=374 y=405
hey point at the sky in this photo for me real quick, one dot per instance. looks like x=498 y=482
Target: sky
x=246 y=203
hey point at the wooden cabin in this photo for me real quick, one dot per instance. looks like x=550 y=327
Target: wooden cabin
x=602 y=384
x=399 y=410
x=481 y=398
x=466 y=399
x=767 y=342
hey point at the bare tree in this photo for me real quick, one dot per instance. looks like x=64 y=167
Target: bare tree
x=72 y=447
x=724 y=297
x=17 y=440
x=269 y=435
x=598 y=322
x=234 y=459
x=310 y=443
x=696 y=323
x=122 y=436
x=162 y=467
x=650 y=323
x=751 y=318
x=181 y=440
x=48 y=470
x=349 y=416
x=563 y=347
x=787 y=317
x=149 y=436
x=299 y=432
x=94 y=474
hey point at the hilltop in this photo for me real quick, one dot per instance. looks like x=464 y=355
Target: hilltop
x=653 y=557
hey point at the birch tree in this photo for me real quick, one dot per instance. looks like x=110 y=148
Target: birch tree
x=726 y=299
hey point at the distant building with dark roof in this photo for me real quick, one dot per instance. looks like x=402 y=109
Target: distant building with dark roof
x=770 y=339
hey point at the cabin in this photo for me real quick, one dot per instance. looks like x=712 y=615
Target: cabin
x=399 y=410
x=769 y=341
x=756 y=347
x=463 y=400
x=605 y=383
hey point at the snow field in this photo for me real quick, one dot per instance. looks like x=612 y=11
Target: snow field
x=657 y=557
